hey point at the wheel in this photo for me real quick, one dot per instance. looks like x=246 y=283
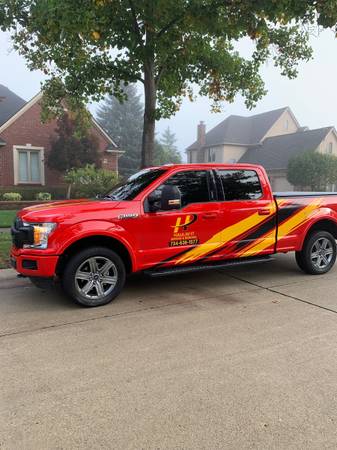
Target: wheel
x=318 y=254
x=299 y=260
x=42 y=283
x=94 y=277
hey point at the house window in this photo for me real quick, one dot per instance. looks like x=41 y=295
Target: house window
x=192 y=156
x=286 y=124
x=211 y=155
x=329 y=149
x=28 y=165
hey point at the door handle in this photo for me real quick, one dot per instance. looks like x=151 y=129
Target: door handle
x=210 y=215
x=263 y=212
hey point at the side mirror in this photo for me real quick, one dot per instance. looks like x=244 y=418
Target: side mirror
x=153 y=200
x=170 y=198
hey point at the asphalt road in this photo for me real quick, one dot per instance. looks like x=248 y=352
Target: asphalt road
x=239 y=359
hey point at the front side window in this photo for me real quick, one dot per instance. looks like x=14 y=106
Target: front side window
x=240 y=184
x=29 y=166
x=193 y=186
x=134 y=185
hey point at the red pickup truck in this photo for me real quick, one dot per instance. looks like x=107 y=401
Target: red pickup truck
x=170 y=219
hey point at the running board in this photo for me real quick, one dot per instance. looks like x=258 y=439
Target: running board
x=197 y=268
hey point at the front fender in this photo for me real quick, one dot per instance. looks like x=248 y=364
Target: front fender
x=64 y=237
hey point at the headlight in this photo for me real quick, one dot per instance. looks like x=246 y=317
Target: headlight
x=41 y=233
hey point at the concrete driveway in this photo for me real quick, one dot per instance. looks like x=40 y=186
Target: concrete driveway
x=237 y=359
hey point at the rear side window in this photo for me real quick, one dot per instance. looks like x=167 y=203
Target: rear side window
x=193 y=185
x=240 y=184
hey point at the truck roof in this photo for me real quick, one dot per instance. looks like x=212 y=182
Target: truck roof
x=206 y=165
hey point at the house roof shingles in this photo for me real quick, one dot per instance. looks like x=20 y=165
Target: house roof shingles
x=276 y=151
x=241 y=130
x=10 y=104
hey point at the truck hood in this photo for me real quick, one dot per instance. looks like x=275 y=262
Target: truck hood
x=70 y=210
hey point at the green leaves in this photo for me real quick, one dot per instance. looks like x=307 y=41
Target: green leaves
x=312 y=169
x=90 y=47
x=89 y=181
x=93 y=45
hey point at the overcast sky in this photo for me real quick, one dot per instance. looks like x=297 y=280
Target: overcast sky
x=312 y=96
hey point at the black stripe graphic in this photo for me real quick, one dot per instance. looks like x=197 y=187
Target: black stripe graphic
x=286 y=211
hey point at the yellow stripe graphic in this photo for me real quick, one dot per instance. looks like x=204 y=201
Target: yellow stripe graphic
x=285 y=228
x=224 y=236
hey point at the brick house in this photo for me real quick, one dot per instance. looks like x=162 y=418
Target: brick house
x=269 y=139
x=25 y=143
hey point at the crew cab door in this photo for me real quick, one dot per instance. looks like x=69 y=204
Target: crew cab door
x=174 y=236
x=248 y=214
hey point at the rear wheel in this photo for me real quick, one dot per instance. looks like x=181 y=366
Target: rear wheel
x=318 y=254
x=94 y=277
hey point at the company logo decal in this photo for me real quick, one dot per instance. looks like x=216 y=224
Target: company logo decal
x=182 y=235
x=181 y=223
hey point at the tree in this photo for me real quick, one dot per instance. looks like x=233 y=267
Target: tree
x=87 y=48
x=312 y=169
x=123 y=121
x=69 y=151
x=166 y=151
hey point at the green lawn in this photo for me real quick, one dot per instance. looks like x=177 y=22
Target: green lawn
x=5 y=245
x=6 y=218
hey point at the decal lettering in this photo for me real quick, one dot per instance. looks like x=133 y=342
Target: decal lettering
x=181 y=235
x=128 y=216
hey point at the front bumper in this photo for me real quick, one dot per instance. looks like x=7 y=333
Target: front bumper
x=33 y=265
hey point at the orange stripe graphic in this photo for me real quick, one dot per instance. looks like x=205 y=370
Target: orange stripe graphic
x=223 y=237
x=285 y=228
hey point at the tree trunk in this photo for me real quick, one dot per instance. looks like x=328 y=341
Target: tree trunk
x=69 y=191
x=150 y=95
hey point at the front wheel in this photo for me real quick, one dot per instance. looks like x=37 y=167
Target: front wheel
x=94 y=277
x=318 y=254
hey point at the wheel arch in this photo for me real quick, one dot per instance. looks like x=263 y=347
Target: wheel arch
x=324 y=224
x=97 y=240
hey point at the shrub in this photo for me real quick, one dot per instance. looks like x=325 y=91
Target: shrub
x=29 y=192
x=12 y=196
x=43 y=196
x=88 y=181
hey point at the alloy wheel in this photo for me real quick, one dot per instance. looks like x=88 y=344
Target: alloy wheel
x=96 y=277
x=321 y=253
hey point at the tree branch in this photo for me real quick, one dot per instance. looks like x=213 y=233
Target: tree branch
x=217 y=4
x=135 y=24
x=169 y=25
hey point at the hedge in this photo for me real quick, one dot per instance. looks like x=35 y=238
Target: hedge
x=29 y=192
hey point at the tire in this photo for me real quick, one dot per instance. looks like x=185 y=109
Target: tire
x=42 y=283
x=299 y=260
x=318 y=254
x=84 y=275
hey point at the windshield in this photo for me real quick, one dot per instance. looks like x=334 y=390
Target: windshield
x=134 y=185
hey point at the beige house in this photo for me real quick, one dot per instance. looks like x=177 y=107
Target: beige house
x=269 y=139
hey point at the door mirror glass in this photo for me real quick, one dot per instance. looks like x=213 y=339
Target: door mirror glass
x=170 y=198
x=154 y=200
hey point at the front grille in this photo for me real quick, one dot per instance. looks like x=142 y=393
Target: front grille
x=21 y=234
